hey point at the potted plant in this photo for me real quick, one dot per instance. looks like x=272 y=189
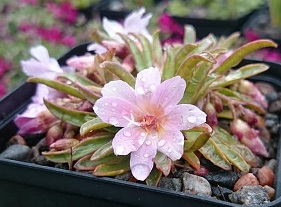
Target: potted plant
x=140 y=112
x=217 y=17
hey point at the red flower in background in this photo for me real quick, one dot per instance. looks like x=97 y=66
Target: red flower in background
x=64 y=11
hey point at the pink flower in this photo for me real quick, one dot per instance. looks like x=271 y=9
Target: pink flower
x=41 y=65
x=64 y=11
x=135 y=22
x=150 y=117
x=3 y=90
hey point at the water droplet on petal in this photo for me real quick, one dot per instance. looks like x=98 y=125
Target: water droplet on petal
x=127 y=134
x=106 y=104
x=119 y=150
x=114 y=89
x=191 y=119
x=143 y=79
x=133 y=148
x=169 y=149
x=113 y=104
x=148 y=142
x=140 y=90
x=96 y=108
x=146 y=155
x=143 y=134
x=113 y=120
x=140 y=141
x=162 y=142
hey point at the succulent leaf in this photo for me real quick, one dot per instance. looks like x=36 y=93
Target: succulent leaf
x=113 y=169
x=74 y=117
x=103 y=151
x=58 y=86
x=119 y=71
x=192 y=159
x=169 y=70
x=189 y=34
x=92 y=125
x=154 y=177
x=242 y=52
x=212 y=152
x=163 y=163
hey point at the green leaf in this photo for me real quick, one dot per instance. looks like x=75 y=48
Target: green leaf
x=213 y=153
x=244 y=72
x=157 y=49
x=113 y=169
x=227 y=139
x=85 y=163
x=137 y=54
x=229 y=41
x=189 y=34
x=196 y=83
x=119 y=71
x=146 y=49
x=235 y=158
x=183 y=53
x=103 y=151
x=85 y=147
x=75 y=77
x=58 y=86
x=242 y=52
x=163 y=163
x=169 y=70
x=154 y=177
x=192 y=159
x=91 y=93
x=199 y=142
x=74 y=117
x=92 y=125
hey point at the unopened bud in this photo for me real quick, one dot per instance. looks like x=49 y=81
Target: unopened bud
x=249 y=116
x=248 y=88
x=64 y=144
x=248 y=136
x=54 y=133
x=217 y=103
x=121 y=50
x=212 y=118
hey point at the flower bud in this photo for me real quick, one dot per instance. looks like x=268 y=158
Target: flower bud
x=54 y=133
x=248 y=88
x=217 y=103
x=121 y=50
x=248 y=137
x=212 y=118
x=249 y=116
x=64 y=144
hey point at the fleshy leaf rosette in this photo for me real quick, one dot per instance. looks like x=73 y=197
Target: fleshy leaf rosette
x=150 y=117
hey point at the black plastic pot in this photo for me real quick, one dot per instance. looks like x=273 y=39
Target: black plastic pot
x=259 y=23
x=204 y=27
x=27 y=184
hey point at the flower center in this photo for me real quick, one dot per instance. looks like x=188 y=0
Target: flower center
x=150 y=123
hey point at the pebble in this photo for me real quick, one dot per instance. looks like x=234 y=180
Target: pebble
x=171 y=183
x=221 y=192
x=17 y=152
x=275 y=106
x=250 y=195
x=222 y=178
x=265 y=176
x=196 y=185
x=246 y=180
x=271 y=191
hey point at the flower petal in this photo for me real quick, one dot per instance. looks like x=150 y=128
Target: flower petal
x=171 y=144
x=119 y=89
x=98 y=48
x=117 y=111
x=40 y=53
x=183 y=117
x=34 y=68
x=128 y=139
x=112 y=27
x=147 y=81
x=137 y=23
x=141 y=161
x=168 y=94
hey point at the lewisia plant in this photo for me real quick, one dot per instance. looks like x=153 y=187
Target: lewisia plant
x=147 y=110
